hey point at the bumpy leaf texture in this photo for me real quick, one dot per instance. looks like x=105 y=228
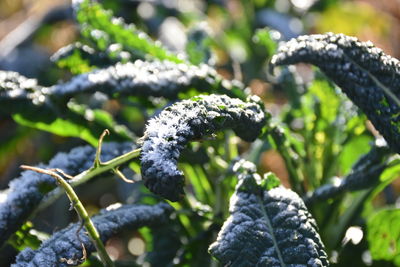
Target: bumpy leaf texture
x=16 y=89
x=157 y=78
x=370 y=78
x=26 y=192
x=64 y=246
x=267 y=228
x=167 y=135
x=364 y=174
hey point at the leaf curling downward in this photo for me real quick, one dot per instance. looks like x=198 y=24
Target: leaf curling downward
x=167 y=135
x=369 y=77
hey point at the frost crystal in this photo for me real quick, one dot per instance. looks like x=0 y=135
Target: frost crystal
x=167 y=135
x=157 y=78
x=64 y=245
x=15 y=89
x=26 y=191
x=369 y=77
x=267 y=228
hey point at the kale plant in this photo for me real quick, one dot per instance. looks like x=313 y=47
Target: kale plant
x=190 y=155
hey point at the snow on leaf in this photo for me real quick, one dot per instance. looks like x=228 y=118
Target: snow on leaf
x=167 y=135
x=268 y=228
x=65 y=249
x=369 y=77
x=27 y=191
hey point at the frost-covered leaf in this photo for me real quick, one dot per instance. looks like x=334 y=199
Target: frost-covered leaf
x=141 y=78
x=112 y=35
x=364 y=174
x=268 y=228
x=45 y=108
x=368 y=76
x=157 y=78
x=38 y=107
x=65 y=249
x=167 y=135
x=27 y=191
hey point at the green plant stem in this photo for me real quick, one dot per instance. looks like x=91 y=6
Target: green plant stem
x=82 y=213
x=295 y=176
x=89 y=174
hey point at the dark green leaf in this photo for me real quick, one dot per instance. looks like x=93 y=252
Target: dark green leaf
x=268 y=228
x=369 y=77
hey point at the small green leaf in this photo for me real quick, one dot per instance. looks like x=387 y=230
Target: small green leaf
x=270 y=181
x=27 y=237
x=73 y=123
x=264 y=37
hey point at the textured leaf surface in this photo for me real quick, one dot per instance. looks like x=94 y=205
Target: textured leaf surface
x=268 y=228
x=384 y=235
x=167 y=135
x=156 y=78
x=369 y=77
x=36 y=106
x=26 y=192
x=64 y=245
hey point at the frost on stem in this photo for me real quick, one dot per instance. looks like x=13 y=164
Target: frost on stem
x=267 y=227
x=364 y=174
x=64 y=245
x=167 y=135
x=369 y=77
x=27 y=191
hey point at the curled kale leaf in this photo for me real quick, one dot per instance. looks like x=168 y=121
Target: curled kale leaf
x=268 y=228
x=157 y=78
x=27 y=191
x=364 y=174
x=65 y=249
x=370 y=78
x=167 y=135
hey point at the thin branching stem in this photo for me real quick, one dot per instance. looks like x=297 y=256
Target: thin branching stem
x=82 y=213
x=89 y=174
